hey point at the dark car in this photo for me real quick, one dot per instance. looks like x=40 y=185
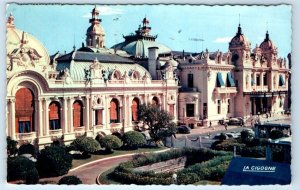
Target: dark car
x=183 y=129
x=236 y=121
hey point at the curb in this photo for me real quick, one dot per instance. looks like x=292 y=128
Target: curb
x=97 y=179
x=102 y=159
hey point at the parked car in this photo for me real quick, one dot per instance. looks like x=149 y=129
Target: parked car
x=183 y=129
x=236 y=121
x=219 y=136
x=232 y=135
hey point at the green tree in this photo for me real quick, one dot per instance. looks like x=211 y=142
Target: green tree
x=11 y=146
x=158 y=121
x=133 y=139
x=86 y=145
x=110 y=142
x=246 y=136
x=54 y=161
x=21 y=168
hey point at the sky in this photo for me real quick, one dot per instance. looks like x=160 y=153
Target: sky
x=60 y=27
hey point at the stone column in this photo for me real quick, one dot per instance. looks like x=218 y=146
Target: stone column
x=87 y=110
x=261 y=78
x=70 y=110
x=40 y=118
x=107 y=113
x=65 y=119
x=13 y=118
x=46 y=116
x=125 y=119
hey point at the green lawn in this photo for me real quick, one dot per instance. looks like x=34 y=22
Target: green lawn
x=78 y=162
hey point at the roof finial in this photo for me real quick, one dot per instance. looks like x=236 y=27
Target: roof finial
x=239 y=28
x=239 y=19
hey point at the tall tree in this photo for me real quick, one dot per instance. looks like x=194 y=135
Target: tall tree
x=159 y=122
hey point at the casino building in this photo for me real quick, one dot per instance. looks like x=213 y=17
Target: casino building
x=88 y=91
x=94 y=89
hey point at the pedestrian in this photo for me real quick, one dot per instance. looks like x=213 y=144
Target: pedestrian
x=225 y=125
x=210 y=124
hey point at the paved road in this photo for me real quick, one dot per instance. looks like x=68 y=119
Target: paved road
x=89 y=172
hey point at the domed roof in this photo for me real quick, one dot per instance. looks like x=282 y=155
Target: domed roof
x=240 y=40
x=139 y=48
x=17 y=39
x=95 y=29
x=267 y=44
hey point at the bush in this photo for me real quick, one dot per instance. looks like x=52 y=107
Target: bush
x=133 y=139
x=110 y=142
x=276 y=134
x=54 y=161
x=27 y=149
x=86 y=144
x=255 y=152
x=21 y=168
x=11 y=146
x=222 y=137
x=246 y=136
x=69 y=180
x=188 y=178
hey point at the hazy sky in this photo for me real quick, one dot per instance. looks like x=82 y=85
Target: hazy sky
x=59 y=27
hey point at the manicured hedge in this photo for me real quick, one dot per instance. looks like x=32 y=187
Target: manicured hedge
x=213 y=169
x=125 y=174
x=69 y=180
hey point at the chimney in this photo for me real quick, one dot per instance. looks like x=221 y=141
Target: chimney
x=152 y=57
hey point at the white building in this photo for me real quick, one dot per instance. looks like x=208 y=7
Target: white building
x=88 y=91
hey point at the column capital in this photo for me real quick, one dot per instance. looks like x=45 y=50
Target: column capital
x=11 y=100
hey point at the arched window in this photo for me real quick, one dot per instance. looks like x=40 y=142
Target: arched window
x=54 y=116
x=24 y=111
x=114 y=111
x=155 y=101
x=77 y=114
x=134 y=109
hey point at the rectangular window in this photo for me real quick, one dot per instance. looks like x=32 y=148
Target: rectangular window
x=257 y=80
x=265 y=79
x=190 y=81
x=190 y=112
x=219 y=106
x=24 y=127
x=228 y=106
x=54 y=124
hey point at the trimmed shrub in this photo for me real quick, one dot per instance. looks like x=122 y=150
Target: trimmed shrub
x=276 y=134
x=27 y=149
x=133 y=139
x=69 y=180
x=54 y=161
x=11 y=146
x=188 y=178
x=222 y=137
x=21 y=168
x=86 y=144
x=256 y=151
x=110 y=142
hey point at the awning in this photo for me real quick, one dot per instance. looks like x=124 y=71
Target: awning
x=249 y=171
x=281 y=80
x=230 y=80
x=220 y=81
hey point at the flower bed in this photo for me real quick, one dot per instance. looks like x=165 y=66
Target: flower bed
x=126 y=174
